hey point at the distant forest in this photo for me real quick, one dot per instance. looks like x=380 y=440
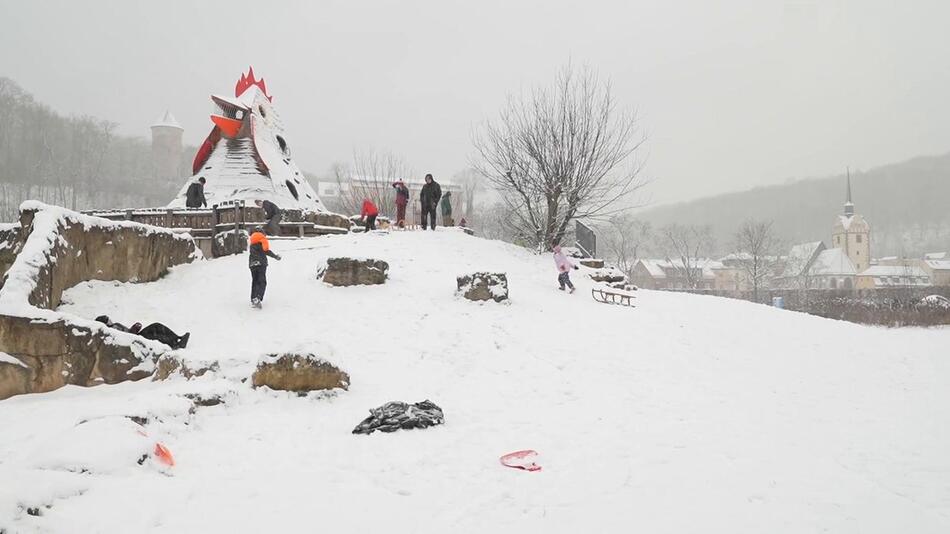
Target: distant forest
x=73 y=161
x=907 y=205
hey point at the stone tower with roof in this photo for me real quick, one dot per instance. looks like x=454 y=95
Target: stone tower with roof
x=852 y=234
x=166 y=149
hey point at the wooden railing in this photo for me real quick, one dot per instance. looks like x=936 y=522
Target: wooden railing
x=232 y=215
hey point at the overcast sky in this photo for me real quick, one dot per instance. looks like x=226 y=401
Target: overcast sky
x=732 y=94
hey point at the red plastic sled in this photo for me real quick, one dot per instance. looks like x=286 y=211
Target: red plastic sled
x=521 y=460
x=164 y=455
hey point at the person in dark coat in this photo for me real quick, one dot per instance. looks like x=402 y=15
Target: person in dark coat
x=369 y=214
x=402 y=199
x=258 y=251
x=273 y=215
x=447 y=219
x=155 y=332
x=195 y=196
x=429 y=197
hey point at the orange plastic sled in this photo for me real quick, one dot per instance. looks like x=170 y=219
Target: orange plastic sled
x=164 y=455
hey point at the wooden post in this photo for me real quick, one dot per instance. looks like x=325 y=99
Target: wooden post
x=128 y=215
x=215 y=217
x=169 y=218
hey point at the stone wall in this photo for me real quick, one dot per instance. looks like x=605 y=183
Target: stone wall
x=60 y=352
x=69 y=248
x=52 y=250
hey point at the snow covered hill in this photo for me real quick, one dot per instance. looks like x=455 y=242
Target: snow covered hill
x=686 y=414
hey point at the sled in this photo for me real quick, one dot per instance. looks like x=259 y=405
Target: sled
x=523 y=460
x=621 y=298
x=164 y=455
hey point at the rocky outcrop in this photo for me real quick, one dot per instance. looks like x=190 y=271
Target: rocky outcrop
x=83 y=248
x=351 y=272
x=57 y=353
x=609 y=275
x=298 y=372
x=592 y=263
x=54 y=250
x=169 y=365
x=483 y=286
x=229 y=243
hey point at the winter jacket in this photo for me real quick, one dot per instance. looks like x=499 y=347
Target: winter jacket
x=195 y=196
x=447 y=205
x=563 y=263
x=270 y=209
x=430 y=195
x=369 y=208
x=259 y=250
x=402 y=194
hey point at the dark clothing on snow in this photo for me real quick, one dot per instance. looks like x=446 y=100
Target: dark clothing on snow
x=430 y=195
x=270 y=209
x=195 y=196
x=428 y=213
x=258 y=282
x=370 y=223
x=395 y=415
x=259 y=250
x=163 y=334
x=273 y=215
x=565 y=279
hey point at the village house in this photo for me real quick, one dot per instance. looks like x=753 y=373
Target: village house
x=881 y=276
x=671 y=274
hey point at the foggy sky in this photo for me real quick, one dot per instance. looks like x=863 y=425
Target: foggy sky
x=731 y=95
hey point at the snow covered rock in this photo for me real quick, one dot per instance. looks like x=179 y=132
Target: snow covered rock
x=57 y=353
x=169 y=365
x=228 y=243
x=298 y=372
x=483 y=286
x=351 y=272
x=83 y=248
x=608 y=274
x=592 y=263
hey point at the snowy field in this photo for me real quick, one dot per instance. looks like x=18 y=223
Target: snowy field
x=686 y=414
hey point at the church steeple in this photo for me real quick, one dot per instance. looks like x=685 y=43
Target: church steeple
x=848 y=205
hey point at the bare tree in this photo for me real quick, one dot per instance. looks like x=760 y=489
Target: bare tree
x=563 y=153
x=371 y=176
x=624 y=238
x=686 y=248
x=471 y=183
x=756 y=246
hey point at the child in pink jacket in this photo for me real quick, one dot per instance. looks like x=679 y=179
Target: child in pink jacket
x=564 y=266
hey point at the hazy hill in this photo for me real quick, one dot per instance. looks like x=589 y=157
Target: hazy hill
x=907 y=204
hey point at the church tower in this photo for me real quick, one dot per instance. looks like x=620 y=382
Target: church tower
x=166 y=149
x=852 y=233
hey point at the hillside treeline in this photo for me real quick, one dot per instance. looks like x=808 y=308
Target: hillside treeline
x=73 y=161
x=907 y=205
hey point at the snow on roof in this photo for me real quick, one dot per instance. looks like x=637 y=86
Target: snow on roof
x=937 y=256
x=832 y=261
x=893 y=270
x=938 y=265
x=799 y=257
x=658 y=268
x=845 y=221
x=167 y=120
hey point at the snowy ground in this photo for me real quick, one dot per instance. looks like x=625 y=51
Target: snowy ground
x=686 y=414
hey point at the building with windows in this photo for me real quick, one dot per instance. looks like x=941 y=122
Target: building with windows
x=852 y=234
x=879 y=276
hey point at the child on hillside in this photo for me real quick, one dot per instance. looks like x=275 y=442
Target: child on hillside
x=564 y=266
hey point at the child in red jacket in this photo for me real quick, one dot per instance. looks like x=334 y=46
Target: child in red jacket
x=369 y=214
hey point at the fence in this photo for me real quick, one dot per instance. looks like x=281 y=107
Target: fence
x=208 y=222
x=885 y=306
